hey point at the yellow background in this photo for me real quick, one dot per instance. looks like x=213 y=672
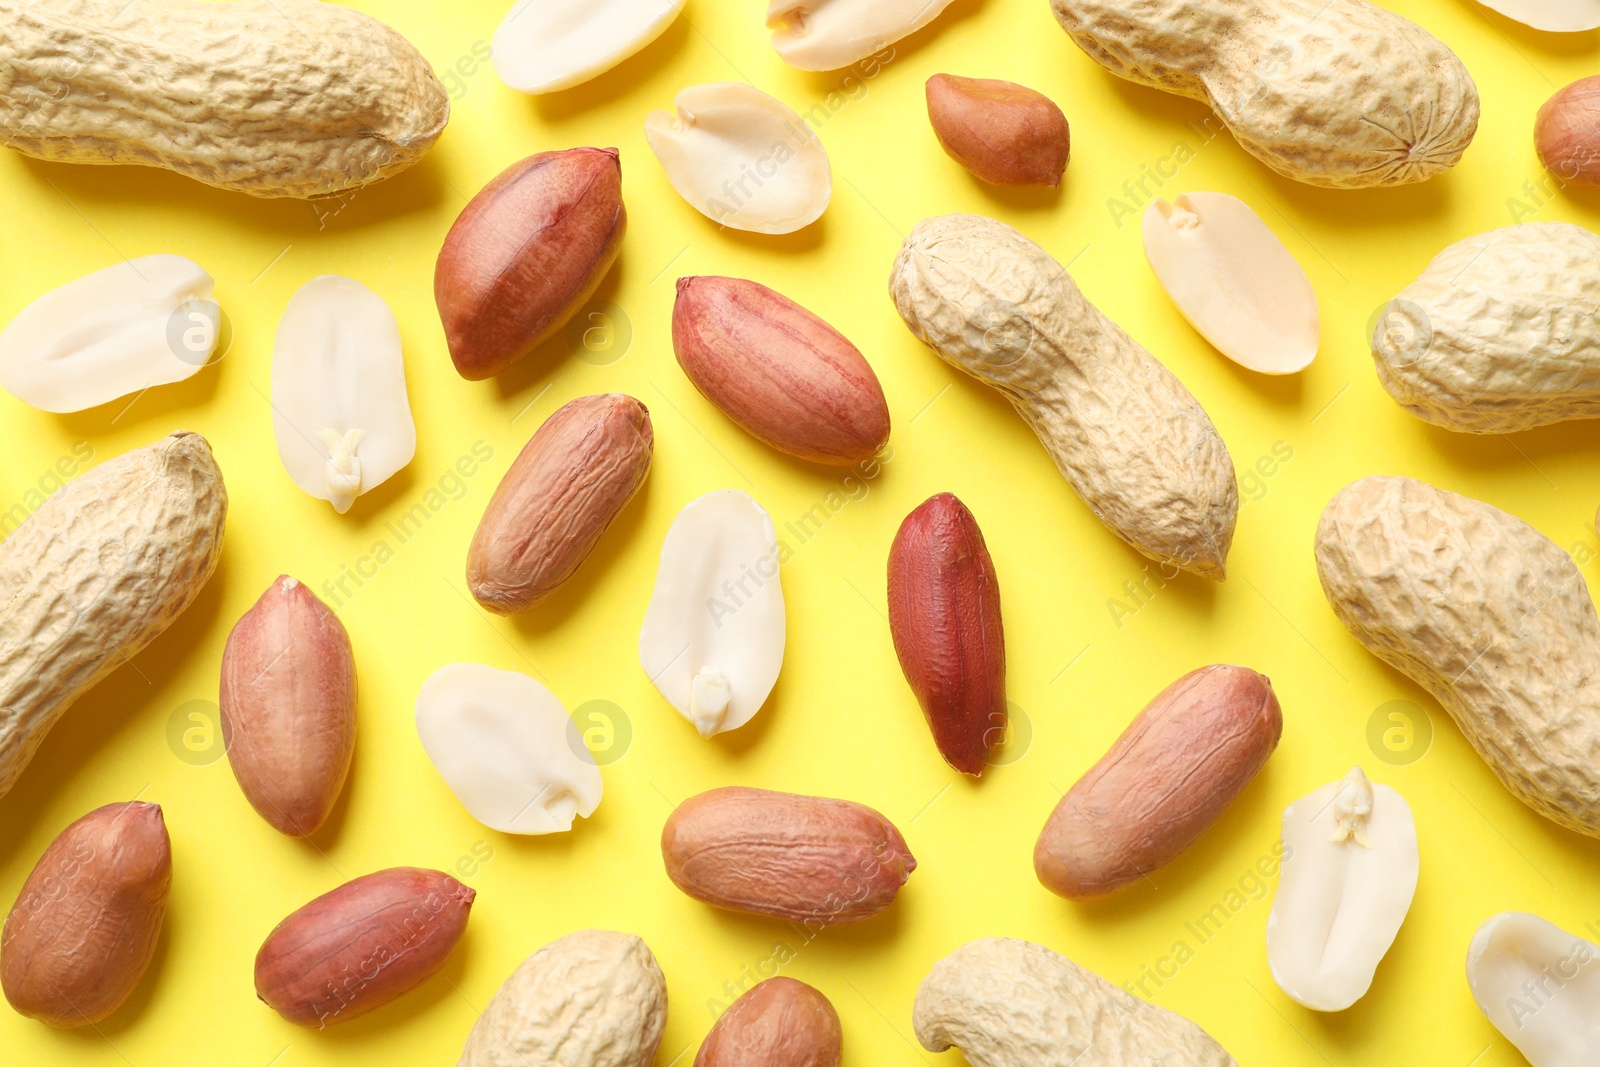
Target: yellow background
x=841 y=721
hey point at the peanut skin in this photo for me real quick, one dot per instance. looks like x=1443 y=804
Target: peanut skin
x=782 y=374
x=1175 y=769
x=807 y=859
x=1566 y=132
x=526 y=253
x=288 y=703
x=778 y=1023
x=85 y=925
x=944 y=615
x=361 y=946
x=1002 y=132
x=574 y=476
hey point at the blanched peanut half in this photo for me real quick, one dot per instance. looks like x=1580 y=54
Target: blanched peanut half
x=713 y=636
x=132 y=326
x=742 y=158
x=1561 y=16
x=507 y=749
x=1540 y=987
x=547 y=45
x=1349 y=873
x=339 y=406
x=829 y=34
x=1233 y=280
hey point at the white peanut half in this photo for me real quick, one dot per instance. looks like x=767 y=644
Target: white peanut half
x=1135 y=444
x=340 y=412
x=547 y=45
x=95 y=575
x=1540 y=987
x=1233 y=280
x=1337 y=93
x=713 y=637
x=295 y=98
x=507 y=749
x=1559 y=16
x=829 y=34
x=129 y=327
x=1010 y=1003
x=742 y=158
x=1350 y=867
x=1499 y=333
x=1489 y=616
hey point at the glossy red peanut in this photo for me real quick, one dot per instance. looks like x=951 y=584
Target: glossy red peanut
x=944 y=616
x=526 y=253
x=778 y=1023
x=808 y=859
x=84 y=927
x=778 y=372
x=288 y=702
x=574 y=476
x=370 y=941
x=1002 y=132
x=1175 y=769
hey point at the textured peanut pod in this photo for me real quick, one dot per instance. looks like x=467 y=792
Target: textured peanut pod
x=1134 y=443
x=944 y=616
x=1336 y=93
x=807 y=859
x=779 y=372
x=1010 y=1003
x=1174 y=770
x=778 y=1023
x=84 y=927
x=1499 y=332
x=525 y=254
x=275 y=98
x=357 y=948
x=1489 y=616
x=1002 y=132
x=1566 y=132
x=591 y=999
x=572 y=478
x=288 y=703
x=95 y=575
